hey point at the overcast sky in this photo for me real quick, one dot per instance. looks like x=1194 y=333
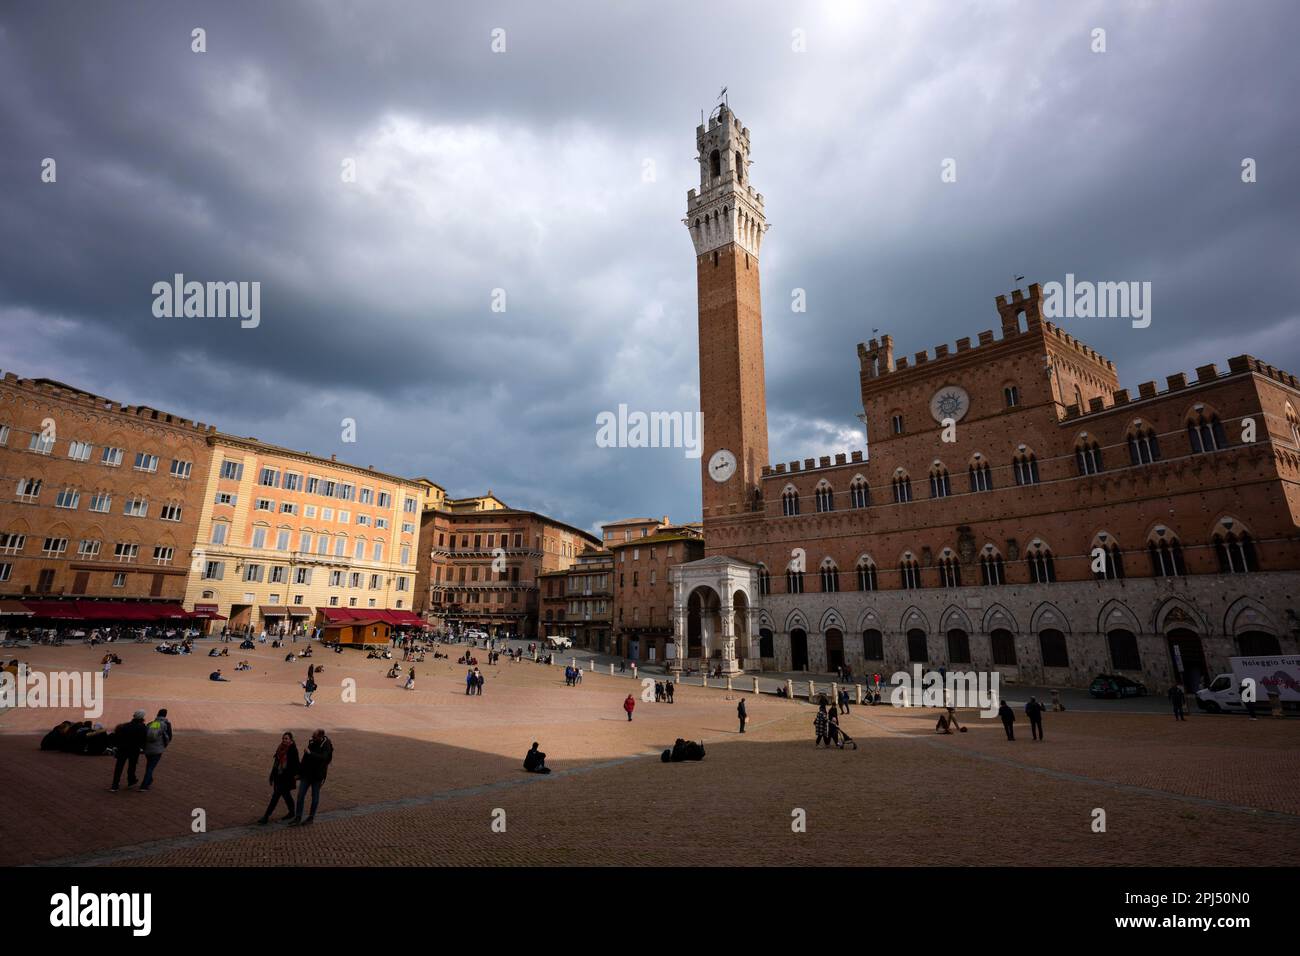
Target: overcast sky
x=526 y=171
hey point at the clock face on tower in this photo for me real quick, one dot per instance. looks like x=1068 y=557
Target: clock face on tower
x=951 y=401
x=722 y=465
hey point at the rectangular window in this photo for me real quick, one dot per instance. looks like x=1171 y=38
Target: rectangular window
x=302 y=576
x=119 y=579
x=354 y=579
x=313 y=485
x=41 y=443
x=136 y=508
x=259 y=537
x=304 y=542
x=12 y=543
x=88 y=549
x=254 y=572
x=336 y=579
x=347 y=492
x=385 y=499
x=309 y=511
x=219 y=531
x=214 y=570
x=322 y=545
x=327 y=514
x=170 y=513
x=410 y=505
x=54 y=547
x=282 y=540
x=292 y=481
x=146 y=462
x=101 y=502
x=327 y=488
x=181 y=469
x=339 y=545
x=406 y=554
x=163 y=555
x=381 y=522
x=269 y=477
x=126 y=552
x=232 y=470
x=4 y=434
x=264 y=504
x=279 y=574
x=226 y=498
x=6 y=569
x=367 y=496
x=401 y=583
x=363 y=520
x=67 y=498
x=374 y=582
x=377 y=552
x=288 y=508
x=359 y=550
x=79 y=450
x=112 y=457
x=408 y=527
x=345 y=517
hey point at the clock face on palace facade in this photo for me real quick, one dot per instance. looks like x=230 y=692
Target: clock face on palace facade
x=951 y=401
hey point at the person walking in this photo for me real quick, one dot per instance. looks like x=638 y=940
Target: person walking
x=309 y=685
x=821 y=724
x=284 y=771
x=108 y=665
x=128 y=741
x=311 y=774
x=668 y=689
x=469 y=681
x=1178 y=698
x=629 y=705
x=1034 y=710
x=157 y=735
x=844 y=701
x=741 y=713
x=1008 y=718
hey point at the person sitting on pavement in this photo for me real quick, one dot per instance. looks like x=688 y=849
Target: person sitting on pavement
x=535 y=761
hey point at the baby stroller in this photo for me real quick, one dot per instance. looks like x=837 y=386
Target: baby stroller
x=840 y=737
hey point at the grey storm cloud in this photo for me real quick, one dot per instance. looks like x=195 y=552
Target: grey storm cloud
x=556 y=172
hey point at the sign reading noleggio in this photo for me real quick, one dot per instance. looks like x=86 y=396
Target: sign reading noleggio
x=208 y=300
x=75 y=690
x=75 y=909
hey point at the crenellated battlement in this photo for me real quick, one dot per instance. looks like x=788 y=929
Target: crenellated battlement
x=49 y=388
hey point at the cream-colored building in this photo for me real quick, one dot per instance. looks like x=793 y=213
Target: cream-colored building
x=286 y=537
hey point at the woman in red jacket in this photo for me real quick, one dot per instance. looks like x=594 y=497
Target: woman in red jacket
x=628 y=705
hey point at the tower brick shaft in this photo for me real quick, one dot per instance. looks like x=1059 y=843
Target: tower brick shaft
x=726 y=222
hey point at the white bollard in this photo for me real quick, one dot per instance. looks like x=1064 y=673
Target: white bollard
x=593 y=665
x=755 y=685
x=789 y=689
x=611 y=668
x=835 y=692
x=858 y=690
x=728 y=683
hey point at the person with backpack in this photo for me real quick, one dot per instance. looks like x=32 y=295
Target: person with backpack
x=157 y=735
x=311 y=774
x=128 y=741
x=284 y=771
x=309 y=685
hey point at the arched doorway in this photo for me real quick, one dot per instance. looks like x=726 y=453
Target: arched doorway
x=1187 y=657
x=799 y=649
x=740 y=625
x=958 y=647
x=1003 y=645
x=1124 y=654
x=834 y=648
x=917 y=652
x=703 y=623
x=1258 y=644
x=765 y=648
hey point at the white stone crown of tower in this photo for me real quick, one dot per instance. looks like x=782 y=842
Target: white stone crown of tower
x=726 y=208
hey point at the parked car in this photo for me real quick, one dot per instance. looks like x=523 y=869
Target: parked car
x=1115 y=686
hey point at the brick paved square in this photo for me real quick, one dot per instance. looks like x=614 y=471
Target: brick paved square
x=419 y=775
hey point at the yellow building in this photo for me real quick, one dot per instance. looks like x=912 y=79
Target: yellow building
x=290 y=539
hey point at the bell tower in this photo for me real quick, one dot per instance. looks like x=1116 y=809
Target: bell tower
x=726 y=222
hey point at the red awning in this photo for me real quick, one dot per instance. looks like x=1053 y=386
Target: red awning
x=206 y=612
x=406 y=618
x=15 y=607
x=273 y=610
x=65 y=610
x=334 y=615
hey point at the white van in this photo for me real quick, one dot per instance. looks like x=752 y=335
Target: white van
x=1278 y=675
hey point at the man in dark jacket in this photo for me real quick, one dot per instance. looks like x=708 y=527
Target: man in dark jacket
x=129 y=739
x=1008 y=717
x=1178 y=698
x=311 y=774
x=1034 y=710
x=740 y=712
